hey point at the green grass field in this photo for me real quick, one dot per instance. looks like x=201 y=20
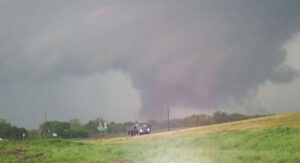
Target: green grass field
x=267 y=139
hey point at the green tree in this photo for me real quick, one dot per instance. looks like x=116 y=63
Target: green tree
x=92 y=125
x=11 y=132
x=74 y=122
x=220 y=117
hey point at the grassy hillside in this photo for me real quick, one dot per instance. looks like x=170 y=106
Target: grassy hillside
x=267 y=139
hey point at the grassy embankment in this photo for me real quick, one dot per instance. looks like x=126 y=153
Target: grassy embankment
x=267 y=139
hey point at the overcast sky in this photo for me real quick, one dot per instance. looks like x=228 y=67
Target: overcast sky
x=130 y=60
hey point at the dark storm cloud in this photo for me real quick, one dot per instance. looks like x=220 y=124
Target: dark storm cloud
x=199 y=54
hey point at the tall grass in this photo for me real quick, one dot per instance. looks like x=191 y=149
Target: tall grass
x=266 y=145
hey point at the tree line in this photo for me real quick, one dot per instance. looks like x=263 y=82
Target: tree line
x=75 y=129
x=199 y=120
x=8 y=131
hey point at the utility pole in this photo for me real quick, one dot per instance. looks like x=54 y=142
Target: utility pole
x=45 y=117
x=168 y=118
x=46 y=130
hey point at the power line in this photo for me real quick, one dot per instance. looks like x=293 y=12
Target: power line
x=45 y=117
x=168 y=118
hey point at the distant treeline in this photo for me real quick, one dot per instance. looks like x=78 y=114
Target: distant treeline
x=199 y=120
x=8 y=131
x=75 y=129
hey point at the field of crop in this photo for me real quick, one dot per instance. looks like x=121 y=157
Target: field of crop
x=267 y=139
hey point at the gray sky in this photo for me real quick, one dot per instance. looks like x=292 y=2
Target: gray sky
x=129 y=60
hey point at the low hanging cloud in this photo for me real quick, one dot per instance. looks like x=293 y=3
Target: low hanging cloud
x=194 y=54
